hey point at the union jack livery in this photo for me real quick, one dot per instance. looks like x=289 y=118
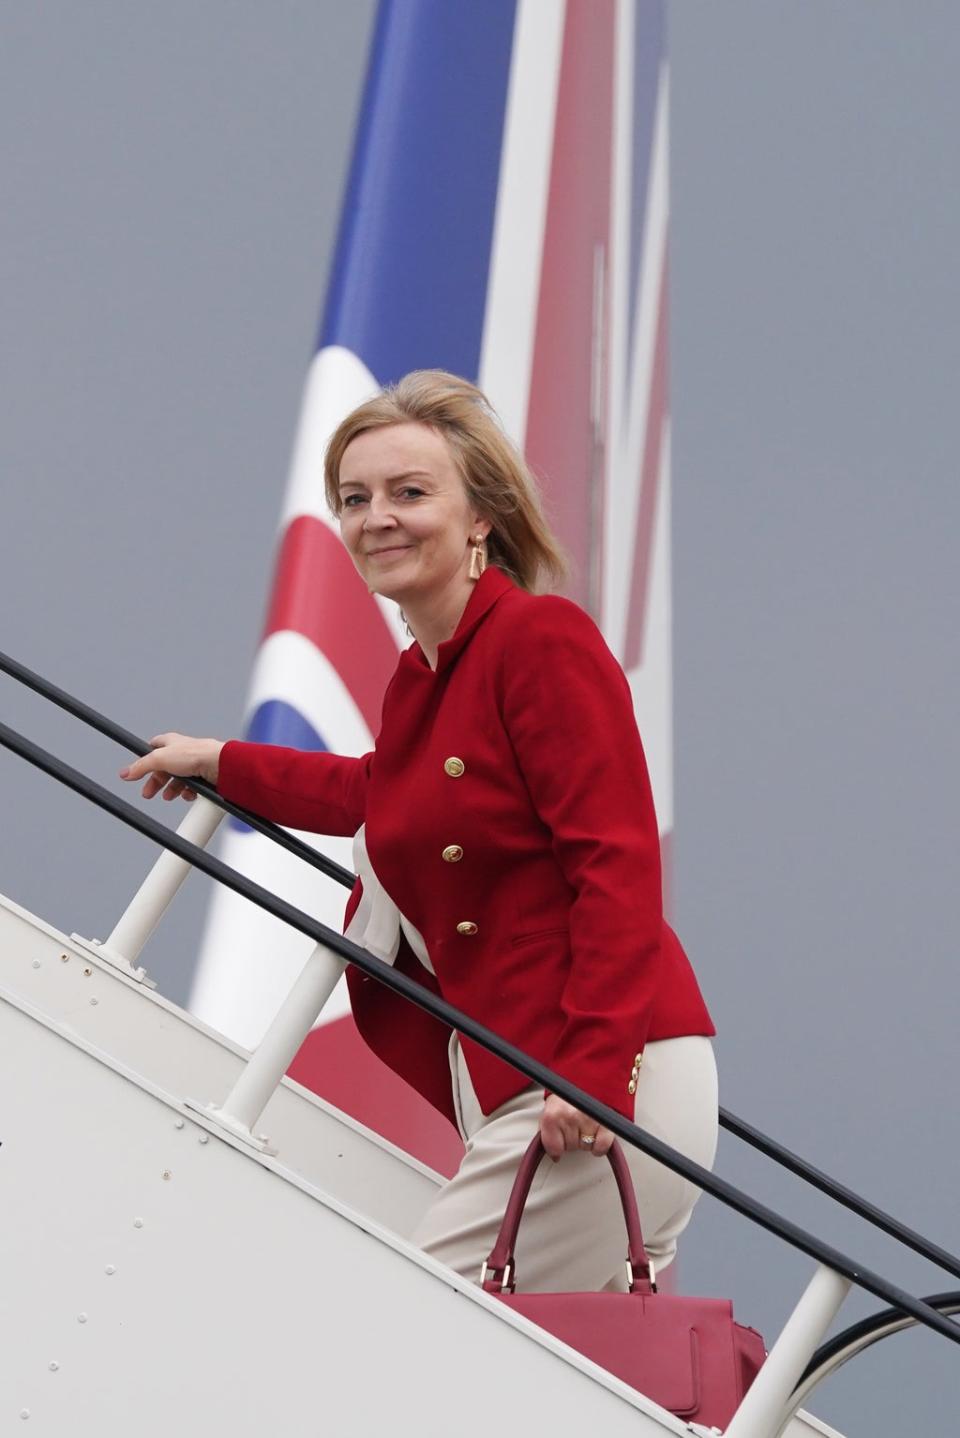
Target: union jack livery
x=506 y=219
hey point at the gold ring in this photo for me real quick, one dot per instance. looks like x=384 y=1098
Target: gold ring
x=587 y=1139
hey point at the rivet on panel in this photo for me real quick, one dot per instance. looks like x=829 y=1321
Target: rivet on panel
x=94 y=1002
x=178 y=1123
x=204 y=1138
x=166 y=1173
x=87 y=973
x=110 y=1270
x=24 y=1412
x=53 y=1365
x=81 y=1318
x=35 y=964
x=64 y=958
x=138 y=1223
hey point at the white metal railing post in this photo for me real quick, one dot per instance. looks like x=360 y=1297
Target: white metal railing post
x=150 y=902
x=274 y=1054
x=154 y=895
x=762 y=1412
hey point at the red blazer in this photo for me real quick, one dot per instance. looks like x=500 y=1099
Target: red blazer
x=510 y=818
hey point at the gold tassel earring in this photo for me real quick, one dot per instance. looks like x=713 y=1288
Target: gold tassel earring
x=478 y=557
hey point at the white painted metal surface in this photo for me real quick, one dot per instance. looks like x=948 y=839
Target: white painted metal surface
x=184 y=1285
x=168 y=1047
x=162 y=1277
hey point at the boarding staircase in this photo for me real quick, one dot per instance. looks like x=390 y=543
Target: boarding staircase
x=191 y=1242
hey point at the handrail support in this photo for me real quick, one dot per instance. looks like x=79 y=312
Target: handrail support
x=761 y=1413
x=155 y=894
x=248 y=1098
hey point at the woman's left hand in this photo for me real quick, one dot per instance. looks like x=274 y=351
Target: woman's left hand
x=563 y=1127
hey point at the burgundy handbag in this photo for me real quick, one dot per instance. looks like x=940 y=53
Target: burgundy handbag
x=687 y=1354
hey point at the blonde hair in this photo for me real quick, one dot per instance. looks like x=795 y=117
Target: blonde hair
x=498 y=482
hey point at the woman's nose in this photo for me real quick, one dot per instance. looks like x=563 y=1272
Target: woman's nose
x=380 y=513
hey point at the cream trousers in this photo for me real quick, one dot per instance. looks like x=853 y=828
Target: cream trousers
x=572 y=1233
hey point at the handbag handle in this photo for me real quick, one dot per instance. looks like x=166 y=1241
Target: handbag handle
x=499 y=1272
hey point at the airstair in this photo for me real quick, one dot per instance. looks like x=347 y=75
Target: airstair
x=162 y=1277
x=194 y=1243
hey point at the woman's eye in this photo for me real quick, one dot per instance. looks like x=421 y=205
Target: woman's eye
x=352 y=500
x=411 y=491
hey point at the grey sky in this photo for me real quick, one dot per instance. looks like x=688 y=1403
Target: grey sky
x=169 y=184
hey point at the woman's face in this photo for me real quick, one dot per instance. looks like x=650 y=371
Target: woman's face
x=405 y=518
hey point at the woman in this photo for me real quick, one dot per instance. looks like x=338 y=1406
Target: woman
x=506 y=845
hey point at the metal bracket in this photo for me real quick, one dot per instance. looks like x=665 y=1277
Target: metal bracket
x=214 y=1114
x=652 y=1272
x=115 y=960
x=506 y=1282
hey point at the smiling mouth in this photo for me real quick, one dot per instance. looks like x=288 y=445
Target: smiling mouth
x=391 y=549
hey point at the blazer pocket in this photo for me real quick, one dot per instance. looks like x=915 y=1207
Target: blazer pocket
x=535 y=934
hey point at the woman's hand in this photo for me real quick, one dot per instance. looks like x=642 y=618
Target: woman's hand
x=563 y=1127
x=173 y=758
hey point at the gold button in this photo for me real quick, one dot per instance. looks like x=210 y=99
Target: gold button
x=453 y=853
x=632 y=1086
x=454 y=767
x=638 y=1060
x=636 y=1073
x=466 y=927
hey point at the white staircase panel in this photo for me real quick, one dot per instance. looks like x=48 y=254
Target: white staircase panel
x=182 y=1284
x=166 y=1046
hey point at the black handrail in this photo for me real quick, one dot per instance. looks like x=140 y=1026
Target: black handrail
x=737 y=1126
x=542 y=1076
x=88 y=715
x=838 y=1191
x=867 y=1331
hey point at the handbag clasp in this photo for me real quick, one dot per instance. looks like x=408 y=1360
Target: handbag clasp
x=506 y=1282
x=653 y=1276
